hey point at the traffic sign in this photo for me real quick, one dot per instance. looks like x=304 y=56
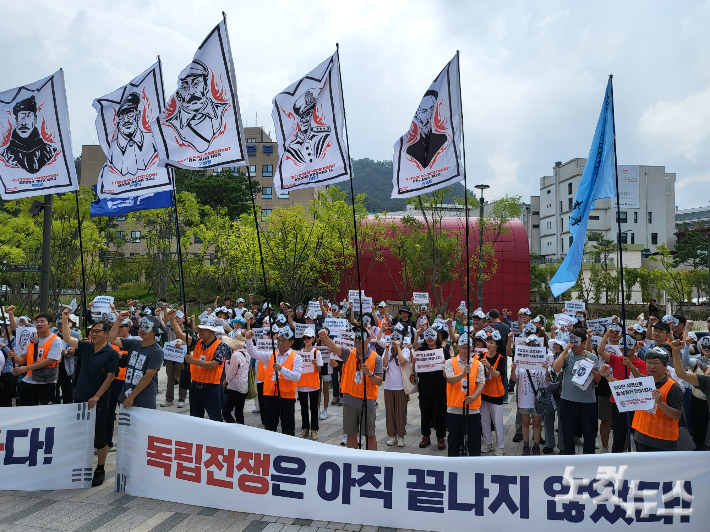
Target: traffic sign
x=20 y=268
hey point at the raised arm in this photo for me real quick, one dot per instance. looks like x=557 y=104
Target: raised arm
x=66 y=333
x=113 y=333
x=179 y=334
x=601 y=350
x=692 y=378
x=330 y=344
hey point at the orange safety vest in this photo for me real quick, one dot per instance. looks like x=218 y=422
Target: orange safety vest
x=43 y=352
x=207 y=376
x=260 y=371
x=287 y=388
x=454 y=395
x=311 y=380
x=494 y=387
x=348 y=384
x=657 y=425
x=121 y=371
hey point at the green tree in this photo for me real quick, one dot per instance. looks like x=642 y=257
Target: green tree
x=226 y=190
x=677 y=283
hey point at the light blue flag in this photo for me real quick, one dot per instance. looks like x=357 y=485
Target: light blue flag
x=598 y=181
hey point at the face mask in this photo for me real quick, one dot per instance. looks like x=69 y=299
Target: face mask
x=575 y=340
x=430 y=334
x=145 y=325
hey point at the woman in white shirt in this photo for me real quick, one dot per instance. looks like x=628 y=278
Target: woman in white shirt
x=395 y=357
x=236 y=380
x=309 y=385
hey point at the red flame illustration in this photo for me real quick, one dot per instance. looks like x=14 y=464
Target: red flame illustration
x=440 y=123
x=412 y=134
x=318 y=118
x=147 y=112
x=170 y=108
x=6 y=134
x=48 y=133
x=219 y=90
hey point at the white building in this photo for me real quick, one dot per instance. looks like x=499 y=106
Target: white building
x=648 y=219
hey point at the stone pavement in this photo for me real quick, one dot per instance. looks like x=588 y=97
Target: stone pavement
x=101 y=509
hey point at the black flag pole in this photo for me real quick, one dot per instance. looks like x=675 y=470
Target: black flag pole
x=621 y=256
x=84 y=309
x=363 y=420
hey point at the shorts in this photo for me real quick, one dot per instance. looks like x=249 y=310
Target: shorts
x=604 y=409
x=353 y=416
x=100 y=437
x=326 y=378
x=529 y=411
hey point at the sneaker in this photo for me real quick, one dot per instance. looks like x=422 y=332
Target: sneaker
x=314 y=435
x=500 y=452
x=323 y=415
x=604 y=450
x=344 y=440
x=334 y=401
x=96 y=452
x=340 y=401
x=548 y=450
x=400 y=441
x=526 y=450
x=426 y=442
x=181 y=404
x=392 y=441
x=486 y=447
x=111 y=449
x=166 y=403
x=517 y=437
x=99 y=477
x=304 y=433
x=536 y=449
x=255 y=411
x=441 y=444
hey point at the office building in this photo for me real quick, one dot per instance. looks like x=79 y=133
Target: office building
x=692 y=218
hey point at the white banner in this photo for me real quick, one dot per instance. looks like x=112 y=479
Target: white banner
x=201 y=126
x=420 y=298
x=428 y=156
x=240 y=468
x=35 y=141
x=633 y=394
x=309 y=122
x=123 y=126
x=629 y=187
x=428 y=361
x=175 y=354
x=46 y=447
x=530 y=357
x=101 y=308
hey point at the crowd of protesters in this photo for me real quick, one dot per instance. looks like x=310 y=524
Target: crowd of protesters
x=323 y=355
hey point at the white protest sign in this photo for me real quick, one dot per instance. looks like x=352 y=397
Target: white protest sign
x=530 y=357
x=480 y=352
x=520 y=340
x=72 y=305
x=614 y=350
x=324 y=353
x=309 y=361
x=345 y=343
x=264 y=344
x=358 y=299
x=633 y=394
x=315 y=307
x=582 y=371
x=101 y=306
x=300 y=327
x=598 y=321
x=202 y=317
x=335 y=324
x=596 y=340
x=259 y=331
x=515 y=328
x=420 y=298
x=562 y=319
x=572 y=307
x=175 y=354
x=24 y=336
x=428 y=361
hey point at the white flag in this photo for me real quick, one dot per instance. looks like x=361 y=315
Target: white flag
x=201 y=126
x=35 y=142
x=428 y=156
x=123 y=126
x=308 y=119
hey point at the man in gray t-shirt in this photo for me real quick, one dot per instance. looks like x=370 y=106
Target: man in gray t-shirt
x=145 y=358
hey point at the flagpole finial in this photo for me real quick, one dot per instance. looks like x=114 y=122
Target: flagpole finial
x=611 y=76
x=337 y=46
x=224 y=15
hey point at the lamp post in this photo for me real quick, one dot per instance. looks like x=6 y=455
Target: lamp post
x=480 y=245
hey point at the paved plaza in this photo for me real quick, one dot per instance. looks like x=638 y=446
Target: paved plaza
x=101 y=509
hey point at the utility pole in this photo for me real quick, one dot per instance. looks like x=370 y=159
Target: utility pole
x=46 y=247
x=480 y=246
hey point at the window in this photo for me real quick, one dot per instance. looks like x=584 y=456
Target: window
x=560 y=205
x=198 y=240
x=121 y=219
x=265 y=213
x=594 y=217
x=654 y=238
x=569 y=204
x=623 y=217
x=570 y=241
x=251 y=141
x=650 y=217
x=562 y=245
x=633 y=240
x=562 y=225
x=548 y=191
x=266 y=192
x=283 y=195
x=636 y=217
x=536 y=213
x=120 y=234
x=135 y=236
x=624 y=238
x=267 y=170
x=569 y=188
x=251 y=170
x=536 y=226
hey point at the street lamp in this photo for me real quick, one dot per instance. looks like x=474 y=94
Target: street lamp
x=480 y=245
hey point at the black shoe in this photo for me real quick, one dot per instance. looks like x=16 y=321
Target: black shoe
x=542 y=440
x=99 y=477
x=548 y=450
x=517 y=437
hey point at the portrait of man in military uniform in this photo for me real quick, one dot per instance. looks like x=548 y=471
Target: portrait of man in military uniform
x=429 y=142
x=199 y=117
x=27 y=149
x=312 y=140
x=132 y=149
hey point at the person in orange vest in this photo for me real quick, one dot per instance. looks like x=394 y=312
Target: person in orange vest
x=38 y=386
x=281 y=376
x=361 y=375
x=657 y=428
x=463 y=372
x=207 y=364
x=494 y=391
x=99 y=365
x=309 y=385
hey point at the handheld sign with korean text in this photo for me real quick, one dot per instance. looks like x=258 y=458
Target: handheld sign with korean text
x=633 y=394
x=530 y=357
x=173 y=353
x=428 y=361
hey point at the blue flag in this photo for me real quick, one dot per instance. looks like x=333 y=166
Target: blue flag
x=121 y=206
x=598 y=181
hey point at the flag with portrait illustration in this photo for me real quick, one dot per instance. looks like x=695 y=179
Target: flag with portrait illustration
x=35 y=141
x=309 y=121
x=123 y=125
x=429 y=156
x=201 y=125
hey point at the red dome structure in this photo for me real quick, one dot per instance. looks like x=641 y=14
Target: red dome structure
x=509 y=287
